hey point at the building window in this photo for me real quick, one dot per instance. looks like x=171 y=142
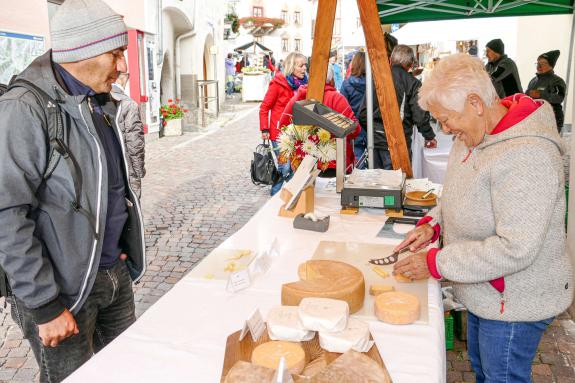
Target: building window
x=297 y=18
x=285 y=45
x=297 y=45
x=285 y=17
x=258 y=12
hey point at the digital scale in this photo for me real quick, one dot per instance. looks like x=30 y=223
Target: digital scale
x=373 y=188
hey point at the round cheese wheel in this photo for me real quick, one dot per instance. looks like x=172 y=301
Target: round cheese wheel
x=269 y=354
x=397 y=307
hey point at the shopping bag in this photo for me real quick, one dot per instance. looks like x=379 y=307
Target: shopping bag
x=263 y=168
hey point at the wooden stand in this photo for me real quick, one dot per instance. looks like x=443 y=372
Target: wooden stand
x=305 y=203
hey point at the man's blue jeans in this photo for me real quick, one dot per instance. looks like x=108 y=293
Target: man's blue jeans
x=503 y=351
x=285 y=170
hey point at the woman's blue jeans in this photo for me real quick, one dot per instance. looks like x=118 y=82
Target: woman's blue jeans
x=285 y=170
x=503 y=351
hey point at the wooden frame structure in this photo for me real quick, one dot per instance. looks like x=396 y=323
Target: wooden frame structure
x=376 y=48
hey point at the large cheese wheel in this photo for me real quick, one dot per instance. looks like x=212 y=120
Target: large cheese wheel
x=352 y=367
x=269 y=354
x=397 y=307
x=326 y=279
x=244 y=372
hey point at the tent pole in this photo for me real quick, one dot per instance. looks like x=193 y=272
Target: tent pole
x=569 y=62
x=369 y=104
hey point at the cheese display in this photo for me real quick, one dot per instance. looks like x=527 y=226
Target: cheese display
x=326 y=279
x=323 y=314
x=379 y=289
x=402 y=278
x=269 y=354
x=355 y=336
x=352 y=367
x=244 y=372
x=397 y=307
x=283 y=323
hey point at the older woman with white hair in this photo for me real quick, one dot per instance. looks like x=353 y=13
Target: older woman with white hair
x=501 y=215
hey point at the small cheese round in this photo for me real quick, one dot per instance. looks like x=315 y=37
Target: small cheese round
x=397 y=307
x=269 y=354
x=323 y=314
x=283 y=324
x=355 y=336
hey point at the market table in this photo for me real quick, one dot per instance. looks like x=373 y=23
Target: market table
x=182 y=337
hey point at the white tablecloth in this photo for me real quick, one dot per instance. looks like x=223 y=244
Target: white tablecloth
x=431 y=163
x=182 y=337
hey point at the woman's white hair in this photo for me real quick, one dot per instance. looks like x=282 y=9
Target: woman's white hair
x=453 y=79
x=329 y=74
x=290 y=61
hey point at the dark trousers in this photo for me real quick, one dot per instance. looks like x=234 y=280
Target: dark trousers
x=107 y=312
x=382 y=159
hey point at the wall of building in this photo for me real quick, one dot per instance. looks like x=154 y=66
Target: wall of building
x=27 y=17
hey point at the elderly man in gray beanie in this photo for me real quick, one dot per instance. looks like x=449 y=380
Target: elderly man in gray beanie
x=72 y=237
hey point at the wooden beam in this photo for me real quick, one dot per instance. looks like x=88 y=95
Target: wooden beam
x=376 y=47
x=321 y=46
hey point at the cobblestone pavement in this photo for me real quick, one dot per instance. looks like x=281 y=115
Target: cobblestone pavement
x=197 y=193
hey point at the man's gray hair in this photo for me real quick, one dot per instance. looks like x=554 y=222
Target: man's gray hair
x=403 y=55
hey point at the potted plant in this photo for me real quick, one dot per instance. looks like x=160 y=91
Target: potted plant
x=172 y=115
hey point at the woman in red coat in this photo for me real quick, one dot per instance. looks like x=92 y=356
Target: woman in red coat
x=333 y=99
x=280 y=91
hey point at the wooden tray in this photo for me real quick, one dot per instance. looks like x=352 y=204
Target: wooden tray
x=236 y=350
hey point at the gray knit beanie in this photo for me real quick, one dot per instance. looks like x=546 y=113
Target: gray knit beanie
x=82 y=29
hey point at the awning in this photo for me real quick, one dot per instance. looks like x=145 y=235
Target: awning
x=403 y=11
x=250 y=45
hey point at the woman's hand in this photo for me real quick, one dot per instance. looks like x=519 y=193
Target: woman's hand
x=417 y=238
x=413 y=267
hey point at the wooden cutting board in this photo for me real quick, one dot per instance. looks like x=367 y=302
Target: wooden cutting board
x=236 y=350
x=358 y=254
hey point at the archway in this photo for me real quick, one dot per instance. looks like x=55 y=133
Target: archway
x=167 y=86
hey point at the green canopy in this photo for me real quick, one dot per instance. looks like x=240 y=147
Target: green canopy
x=403 y=11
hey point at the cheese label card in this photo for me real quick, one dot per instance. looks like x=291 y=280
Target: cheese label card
x=255 y=325
x=239 y=280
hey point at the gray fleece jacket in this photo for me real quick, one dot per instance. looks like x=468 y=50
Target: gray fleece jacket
x=502 y=214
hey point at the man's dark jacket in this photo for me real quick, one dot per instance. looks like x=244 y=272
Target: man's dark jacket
x=504 y=76
x=407 y=90
x=552 y=89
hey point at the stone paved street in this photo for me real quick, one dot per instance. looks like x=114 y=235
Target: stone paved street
x=196 y=194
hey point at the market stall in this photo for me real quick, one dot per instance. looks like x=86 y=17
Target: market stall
x=182 y=338
x=255 y=83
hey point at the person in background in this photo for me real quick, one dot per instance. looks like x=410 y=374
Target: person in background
x=407 y=89
x=548 y=86
x=353 y=89
x=230 y=73
x=334 y=100
x=280 y=91
x=280 y=67
x=502 y=70
x=130 y=123
x=244 y=61
x=472 y=51
x=502 y=217
x=70 y=253
x=337 y=74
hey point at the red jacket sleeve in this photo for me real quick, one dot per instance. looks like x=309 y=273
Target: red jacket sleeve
x=266 y=106
x=286 y=117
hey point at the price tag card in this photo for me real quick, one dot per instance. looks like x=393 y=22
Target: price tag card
x=255 y=325
x=239 y=280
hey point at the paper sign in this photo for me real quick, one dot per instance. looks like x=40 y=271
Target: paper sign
x=254 y=325
x=239 y=280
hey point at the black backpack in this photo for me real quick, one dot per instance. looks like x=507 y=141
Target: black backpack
x=54 y=126
x=263 y=169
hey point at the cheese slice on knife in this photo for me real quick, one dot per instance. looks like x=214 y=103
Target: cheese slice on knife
x=269 y=354
x=397 y=307
x=326 y=279
x=283 y=324
x=356 y=336
x=323 y=314
x=352 y=367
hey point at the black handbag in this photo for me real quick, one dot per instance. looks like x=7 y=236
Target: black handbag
x=263 y=168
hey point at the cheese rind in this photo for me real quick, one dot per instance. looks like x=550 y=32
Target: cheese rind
x=326 y=279
x=397 y=307
x=283 y=323
x=269 y=354
x=352 y=367
x=379 y=289
x=323 y=314
x=244 y=372
x=355 y=336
